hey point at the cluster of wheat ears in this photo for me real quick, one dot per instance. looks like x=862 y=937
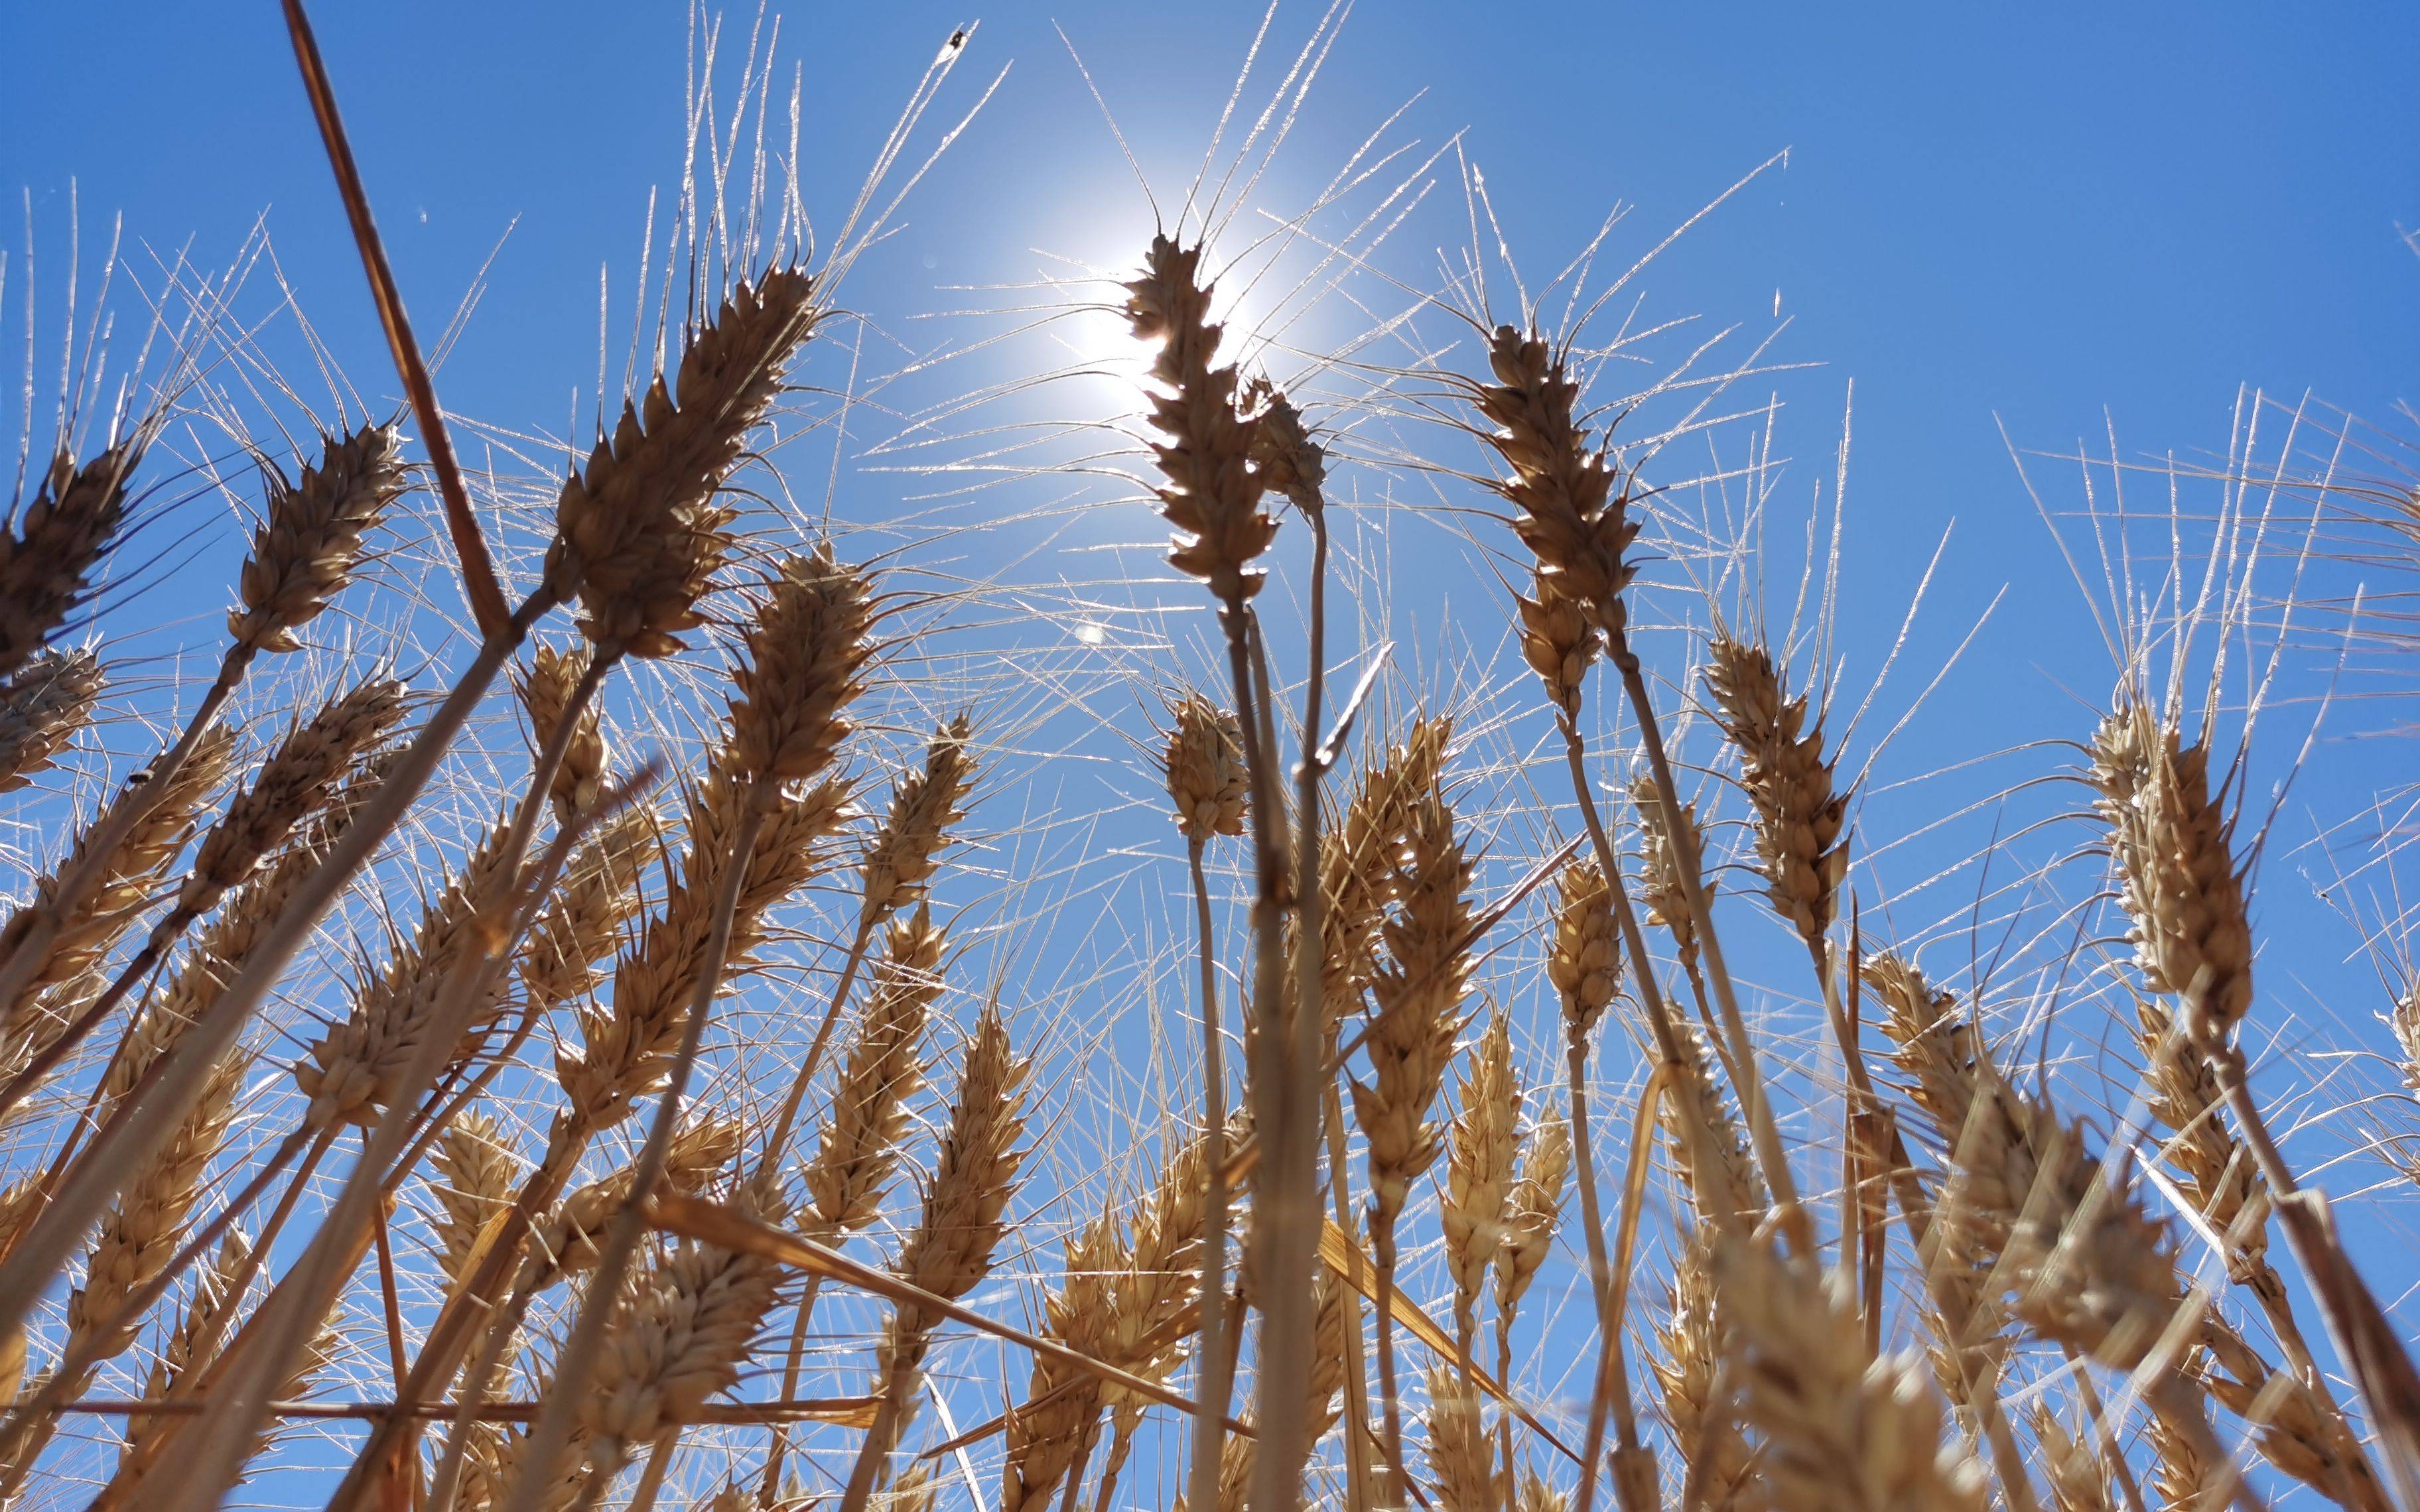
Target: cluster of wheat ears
x=505 y=1143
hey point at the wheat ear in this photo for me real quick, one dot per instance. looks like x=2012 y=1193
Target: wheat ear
x=310 y=540
x=550 y=692
x=640 y=526
x=895 y=871
x=42 y=707
x=1842 y=1432
x=59 y=536
x=950 y=1251
x=1417 y=998
x=2173 y=839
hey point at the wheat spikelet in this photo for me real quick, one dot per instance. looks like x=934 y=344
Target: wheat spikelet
x=2174 y=845
x=128 y=878
x=2077 y=1481
x=1789 y=784
x=547 y=690
x=475 y=1171
x=1584 y=962
x=309 y=545
x=962 y=1222
x=639 y=529
x=1568 y=511
x=348 y=1072
x=1694 y=1335
x=681 y=1334
x=1480 y=1172
x=1212 y=495
x=1841 y=1432
x=2301 y=1431
x=581 y=926
x=46 y=563
x=1671 y=857
x=42 y=706
x=1207 y=785
x=1462 y=1461
x=859 y=1148
x=923 y=805
x=292 y=783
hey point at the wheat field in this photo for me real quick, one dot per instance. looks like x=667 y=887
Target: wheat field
x=627 y=971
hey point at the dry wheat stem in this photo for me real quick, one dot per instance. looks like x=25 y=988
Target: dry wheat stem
x=1216 y=1376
